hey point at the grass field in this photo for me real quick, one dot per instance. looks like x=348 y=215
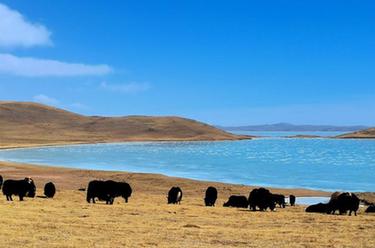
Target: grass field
x=147 y=221
x=68 y=221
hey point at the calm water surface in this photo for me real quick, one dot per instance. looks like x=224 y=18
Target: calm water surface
x=325 y=164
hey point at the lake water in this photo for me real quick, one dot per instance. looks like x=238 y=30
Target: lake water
x=326 y=164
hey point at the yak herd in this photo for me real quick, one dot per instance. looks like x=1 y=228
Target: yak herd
x=259 y=199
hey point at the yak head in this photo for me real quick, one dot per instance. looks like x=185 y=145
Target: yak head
x=125 y=190
x=31 y=189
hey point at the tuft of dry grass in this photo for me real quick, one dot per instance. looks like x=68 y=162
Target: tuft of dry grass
x=147 y=221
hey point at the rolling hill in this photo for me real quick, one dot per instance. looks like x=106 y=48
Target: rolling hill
x=279 y=127
x=362 y=134
x=30 y=124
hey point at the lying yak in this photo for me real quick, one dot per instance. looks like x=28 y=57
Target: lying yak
x=292 y=200
x=279 y=199
x=237 y=201
x=211 y=196
x=317 y=208
x=343 y=202
x=49 y=190
x=107 y=191
x=370 y=209
x=174 y=195
x=22 y=188
x=261 y=198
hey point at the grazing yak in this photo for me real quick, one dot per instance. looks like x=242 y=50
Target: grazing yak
x=261 y=198
x=1 y=181
x=317 y=208
x=370 y=209
x=343 y=202
x=22 y=188
x=49 y=190
x=279 y=199
x=174 y=195
x=107 y=191
x=292 y=200
x=237 y=201
x=211 y=196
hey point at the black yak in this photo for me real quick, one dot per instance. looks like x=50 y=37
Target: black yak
x=174 y=195
x=344 y=202
x=49 y=190
x=261 y=198
x=279 y=199
x=237 y=201
x=107 y=191
x=317 y=208
x=211 y=196
x=22 y=188
x=292 y=200
x=1 y=181
x=370 y=209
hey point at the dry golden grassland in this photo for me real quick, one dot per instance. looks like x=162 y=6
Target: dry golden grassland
x=68 y=221
x=147 y=221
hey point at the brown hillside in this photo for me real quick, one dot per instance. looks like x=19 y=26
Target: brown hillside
x=29 y=124
x=363 y=134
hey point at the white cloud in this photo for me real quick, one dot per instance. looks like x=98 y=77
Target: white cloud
x=46 y=100
x=15 y=30
x=33 y=67
x=132 y=87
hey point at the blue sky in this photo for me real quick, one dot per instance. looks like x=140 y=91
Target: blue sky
x=222 y=62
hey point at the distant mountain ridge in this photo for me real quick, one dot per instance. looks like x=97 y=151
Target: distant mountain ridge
x=279 y=127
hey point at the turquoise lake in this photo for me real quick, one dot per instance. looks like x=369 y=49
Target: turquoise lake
x=326 y=164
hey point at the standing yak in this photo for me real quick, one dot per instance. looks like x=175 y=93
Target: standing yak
x=174 y=195
x=344 y=202
x=49 y=190
x=261 y=198
x=211 y=196
x=292 y=200
x=1 y=181
x=22 y=188
x=279 y=199
x=107 y=191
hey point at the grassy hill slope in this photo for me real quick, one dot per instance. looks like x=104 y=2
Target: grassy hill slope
x=24 y=123
x=363 y=134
